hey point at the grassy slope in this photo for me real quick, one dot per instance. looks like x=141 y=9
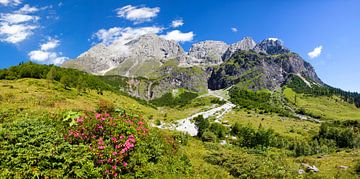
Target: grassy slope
x=33 y=97
x=332 y=108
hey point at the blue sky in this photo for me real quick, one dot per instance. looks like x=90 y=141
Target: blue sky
x=53 y=31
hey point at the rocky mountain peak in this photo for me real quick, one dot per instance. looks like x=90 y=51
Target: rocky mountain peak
x=271 y=46
x=208 y=52
x=247 y=43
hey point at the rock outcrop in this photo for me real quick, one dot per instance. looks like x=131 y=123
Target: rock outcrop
x=207 y=52
x=271 y=46
x=260 y=71
x=155 y=66
x=245 y=44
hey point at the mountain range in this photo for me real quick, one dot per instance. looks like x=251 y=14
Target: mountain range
x=153 y=66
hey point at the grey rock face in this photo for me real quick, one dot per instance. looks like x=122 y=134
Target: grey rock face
x=271 y=46
x=101 y=59
x=246 y=43
x=209 y=52
x=259 y=71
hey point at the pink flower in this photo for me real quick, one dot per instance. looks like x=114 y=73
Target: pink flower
x=125 y=164
x=114 y=153
x=115 y=174
x=114 y=167
x=103 y=119
x=100 y=141
x=121 y=137
x=140 y=123
x=100 y=127
x=113 y=139
x=101 y=147
x=79 y=120
x=107 y=115
x=98 y=116
x=117 y=146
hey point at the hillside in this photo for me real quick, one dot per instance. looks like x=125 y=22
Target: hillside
x=28 y=103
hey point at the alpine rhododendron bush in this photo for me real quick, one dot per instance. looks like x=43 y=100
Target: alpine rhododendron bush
x=90 y=145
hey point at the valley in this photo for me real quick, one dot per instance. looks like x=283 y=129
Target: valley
x=210 y=113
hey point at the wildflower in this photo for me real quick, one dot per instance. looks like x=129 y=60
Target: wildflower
x=103 y=119
x=100 y=127
x=80 y=120
x=101 y=147
x=114 y=153
x=101 y=141
x=115 y=174
x=107 y=115
x=121 y=137
x=114 y=167
x=117 y=146
x=125 y=164
x=113 y=139
x=140 y=123
x=98 y=116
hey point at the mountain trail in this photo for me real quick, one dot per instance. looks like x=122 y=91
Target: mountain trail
x=187 y=125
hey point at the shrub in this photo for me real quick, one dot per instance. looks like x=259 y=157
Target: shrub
x=202 y=124
x=345 y=137
x=208 y=136
x=110 y=139
x=219 y=130
x=249 y=137
x=35 y=147
x=105 y=106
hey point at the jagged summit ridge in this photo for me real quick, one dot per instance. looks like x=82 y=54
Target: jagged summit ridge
x=247 y=43
x=145 y=54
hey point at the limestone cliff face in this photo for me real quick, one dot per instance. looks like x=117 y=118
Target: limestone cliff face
x=260 y=71
x=245 y=44
x=154 y=66
x=208 y=52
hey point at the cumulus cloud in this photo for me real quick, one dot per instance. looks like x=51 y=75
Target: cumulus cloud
x=10 y=2
x=234 y=29
x=316 y=52
x=137 y=14
x=179 y=36
x=11 y=18
x=123 y=35
x=17 y=26
x=15 y=33
x=51 y=44
x=46 y=54
x=27 y=9
x=177 y=23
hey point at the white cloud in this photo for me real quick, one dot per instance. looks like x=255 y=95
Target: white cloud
x=137 y=14
x=316 y=52
x=179 y=36
x=11 y=18
x=234 y=29
x=51 y=44
x=10 y=2
x=17 y=26
x=177 y=23
x=27 y=9
x=45 y=55
x=123 y=35
x=15 y=33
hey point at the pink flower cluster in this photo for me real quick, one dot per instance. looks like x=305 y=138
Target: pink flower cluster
x=110 y=139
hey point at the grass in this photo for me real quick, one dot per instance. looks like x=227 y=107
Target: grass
x=284 y=126
x=33 y=97
x=328 y=108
